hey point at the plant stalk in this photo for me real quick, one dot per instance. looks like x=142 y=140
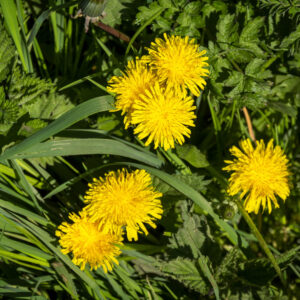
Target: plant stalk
x=260 y=239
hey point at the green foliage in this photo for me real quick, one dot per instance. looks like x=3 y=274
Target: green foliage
x=192 y=155
x=186 y=272
x=58 y=132
x=23 y=94
x=7 y=53
x=25 y=89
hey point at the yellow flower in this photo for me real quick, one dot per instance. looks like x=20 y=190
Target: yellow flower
x=261 y=173
x=128 y=87
x=178 y=63
x=124 y=199
x=88 y=243
x=163 y=116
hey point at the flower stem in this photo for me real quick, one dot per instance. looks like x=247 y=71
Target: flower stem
x=176 y=161
x=260 y=239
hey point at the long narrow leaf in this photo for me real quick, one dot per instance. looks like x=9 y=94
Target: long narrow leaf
x=74 y=115
x=88 y=146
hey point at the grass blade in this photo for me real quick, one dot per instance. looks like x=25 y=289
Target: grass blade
x=74 y=115
x=88 y=146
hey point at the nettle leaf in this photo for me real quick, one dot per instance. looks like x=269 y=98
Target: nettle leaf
x=256 y=271
x=9 y=110
x=195 y=181
x=48 y=107
x=189 y=236
x=32 y=126
x=186 y=272
x=227 y=270
x=284 y=259
x=107 y=122
x=194 y=234
x=192 y=155
x=26 y=88
x=7 y=53
x=261 y=272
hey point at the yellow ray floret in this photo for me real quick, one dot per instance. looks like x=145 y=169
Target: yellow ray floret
x=261 y=173
x=178 y=63
x=128 y=87
x=88 y=243
x=163 y=116
x=124 y=199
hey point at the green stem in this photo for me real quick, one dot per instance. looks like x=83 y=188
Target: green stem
x=260 y=239
x=269 y=62
x=176 y=161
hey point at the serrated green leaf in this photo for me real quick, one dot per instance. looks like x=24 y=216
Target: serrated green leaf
x=228 y=268
x=189 y=236
x=186 y=272
x=31 y=127
x=288 y=41
x=193 y=8
x=113 y=12
x=227 y=31
x=251 y=30
x=49 y=107
x=147 y=12
x=288 y=256
x=7 y=52
x=195 y=181
x=192 y=155
x=25 y=89
x=165 y=3
x=254 y=68
x=234 y=78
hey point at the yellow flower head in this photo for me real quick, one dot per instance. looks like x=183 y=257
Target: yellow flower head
x=178 y=63
x=88 y=243
x=262 y=173
x=128 y=87
x=163 y=115
x=124 y=199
